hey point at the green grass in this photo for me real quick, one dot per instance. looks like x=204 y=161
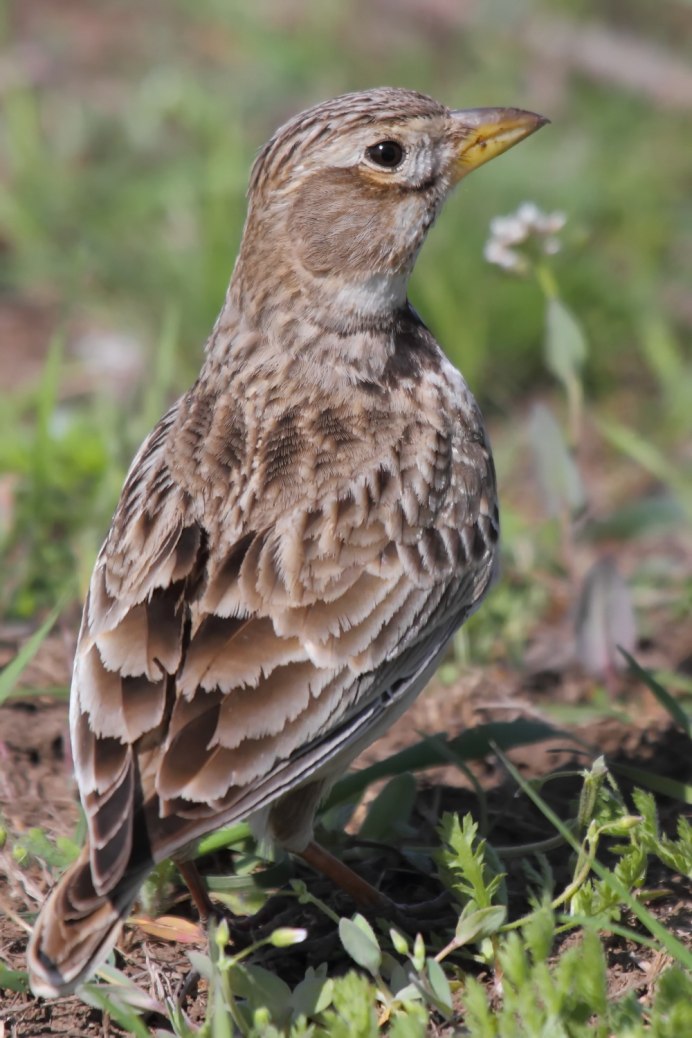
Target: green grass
x=148 y=201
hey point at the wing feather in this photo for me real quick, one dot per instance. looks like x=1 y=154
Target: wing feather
x=216 y=672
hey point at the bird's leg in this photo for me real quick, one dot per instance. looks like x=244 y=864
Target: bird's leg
x=206 y=908
x=341 y=875
x=294 y=813
x=426 y=915
x=198 y=891
x=362 y=892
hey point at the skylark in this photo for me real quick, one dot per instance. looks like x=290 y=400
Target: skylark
x=301 y=534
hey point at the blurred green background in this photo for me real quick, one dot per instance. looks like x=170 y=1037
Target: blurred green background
x=126 y=135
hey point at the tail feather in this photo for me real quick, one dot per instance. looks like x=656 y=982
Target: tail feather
x=77 y=928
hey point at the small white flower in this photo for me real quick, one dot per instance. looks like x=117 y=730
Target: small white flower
x=508 y=230
x=528 y=222
x=529 y=214
x=554 y=222
x=498 y=253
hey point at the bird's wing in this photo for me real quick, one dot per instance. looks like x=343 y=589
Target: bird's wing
x=208 y=682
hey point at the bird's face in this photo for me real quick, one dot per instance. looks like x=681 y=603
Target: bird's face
x=350 y=188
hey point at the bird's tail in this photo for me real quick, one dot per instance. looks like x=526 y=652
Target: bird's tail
x=76 y=929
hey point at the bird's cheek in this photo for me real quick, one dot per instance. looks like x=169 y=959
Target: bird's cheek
x=337 y=227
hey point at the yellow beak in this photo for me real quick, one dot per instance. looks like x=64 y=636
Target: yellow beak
x=483 y=133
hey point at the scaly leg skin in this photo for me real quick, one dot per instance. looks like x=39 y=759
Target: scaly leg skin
x=207 y=910
x=198 y=891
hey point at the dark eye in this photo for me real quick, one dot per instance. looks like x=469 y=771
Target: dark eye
x=389 y=154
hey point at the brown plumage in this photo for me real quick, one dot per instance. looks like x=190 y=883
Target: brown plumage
x=302 y=532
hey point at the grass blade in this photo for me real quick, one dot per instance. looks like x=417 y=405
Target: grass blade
x=657 y=783
x=673 y=946
x=15 y=668
x=436 y=750
x=662 y=694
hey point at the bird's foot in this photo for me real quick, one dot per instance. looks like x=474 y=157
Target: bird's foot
x=422 y=917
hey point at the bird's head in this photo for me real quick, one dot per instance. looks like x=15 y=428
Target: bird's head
x=342 y=196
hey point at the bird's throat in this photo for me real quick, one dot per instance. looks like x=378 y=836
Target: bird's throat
x=374 y=296
x=367 y=303
x=357 y=301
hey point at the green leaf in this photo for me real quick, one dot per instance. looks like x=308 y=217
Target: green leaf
x=463 y=865
x=479 y=1018
x=124 y=989
x=475 y=926
x=565 y=345
x=412 y=1022
x=675 y=853
x=221 y=1022
x=13 y=980
x=672 y=1009
x=222 y=838
x=57 y=855
x=653 y=460
x=539 y=931
x=619 y=890
x=439 y=985
x=353 y=1009
x=260 y=988
x=390 y=810
x=203 y=964
x=121 y=1002
x=359 y=940
x=399 y=942
x=11 y=674
x=662 y=694
x=314 y=993
x=558 y=474
x=430 y=752
x=635 y=519
x=669 y=787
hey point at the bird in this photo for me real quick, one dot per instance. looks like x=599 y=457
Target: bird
x=301 y=534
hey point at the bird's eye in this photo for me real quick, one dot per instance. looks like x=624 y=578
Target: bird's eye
x=388 y=154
